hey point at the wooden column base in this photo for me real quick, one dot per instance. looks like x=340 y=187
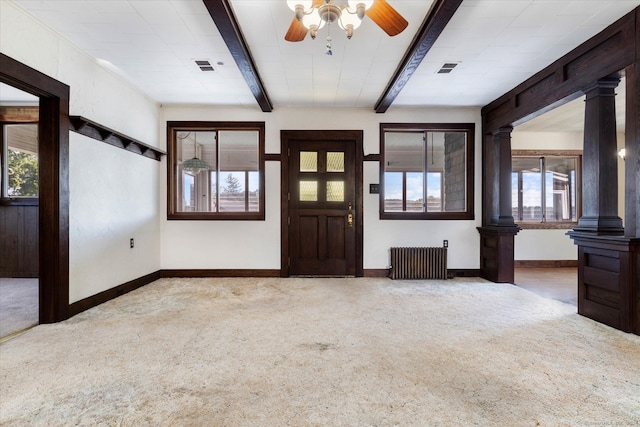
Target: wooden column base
x=609 y=279
x=496 y=253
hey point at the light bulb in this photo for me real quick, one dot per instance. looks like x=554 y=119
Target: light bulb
x=366 y=3
x=306 y=4
x=312 y=20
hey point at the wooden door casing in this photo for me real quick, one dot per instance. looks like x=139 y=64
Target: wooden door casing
x=322 y=238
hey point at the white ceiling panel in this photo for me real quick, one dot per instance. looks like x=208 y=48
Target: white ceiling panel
x=153 y=44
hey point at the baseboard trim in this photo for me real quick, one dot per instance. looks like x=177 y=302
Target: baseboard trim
x=104 y=296
x=546 y=263
x=219 y=273
x=375 y=272
x=463 y=272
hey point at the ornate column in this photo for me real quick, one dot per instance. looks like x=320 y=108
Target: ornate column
x=608 y=276
x=600 y=160
x=497 y=237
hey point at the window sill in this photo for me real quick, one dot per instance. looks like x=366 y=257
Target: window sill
x=26 y=201
x=547 y=225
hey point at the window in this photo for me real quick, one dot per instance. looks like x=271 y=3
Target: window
x=426 y=171
x=233 y=185
x=545 y=187
x=19 y=161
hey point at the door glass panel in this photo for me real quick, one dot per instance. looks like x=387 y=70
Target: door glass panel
x=308 y=161
x=335 y=162
x=308 y=191
x=335 y=191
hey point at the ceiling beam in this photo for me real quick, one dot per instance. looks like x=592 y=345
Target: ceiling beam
x=225 y=20
x=437 y=19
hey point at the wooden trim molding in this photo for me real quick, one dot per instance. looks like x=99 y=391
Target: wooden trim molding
x=102 y=297
x=218 y=273
x=21 y=114
x=437 y=19
x=53 y=148
x=372 y=158
x=102 y=133
x=222 y=14
x=451 y=273
x=275 y=157
x=562 y=263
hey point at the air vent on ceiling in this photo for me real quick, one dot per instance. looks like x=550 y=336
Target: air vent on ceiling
x=447 y=67
x=204 y=65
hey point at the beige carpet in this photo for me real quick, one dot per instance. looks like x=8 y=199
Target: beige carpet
x=322 y=352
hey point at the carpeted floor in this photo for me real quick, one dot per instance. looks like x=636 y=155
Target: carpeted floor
x=18 y=305
x=323 y=352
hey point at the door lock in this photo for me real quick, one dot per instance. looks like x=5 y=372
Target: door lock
x=350 y=220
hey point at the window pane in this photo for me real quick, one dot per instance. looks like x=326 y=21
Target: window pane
x=434 y=192
x=308 y=191
x=22 y=160
x=254 y=191
x=415 y=192
x=529 y=170
x=188 y=193
x=232 y=192
x=454 y=168
x=308 y=161
x=214 y=190
x=560 y=189
x=335 y=191
x=393 y=192
x=335 y=162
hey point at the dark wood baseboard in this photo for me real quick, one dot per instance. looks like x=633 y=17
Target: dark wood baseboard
x=375 y=272
x=109 y=294
x=463 y=272
x=219 y=273
x=546 y=263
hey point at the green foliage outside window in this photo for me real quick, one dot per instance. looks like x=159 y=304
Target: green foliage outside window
x=22 y=174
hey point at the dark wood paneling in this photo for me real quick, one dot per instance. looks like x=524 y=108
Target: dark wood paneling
x=546 y=263
x=496 y=253
x=102 y=133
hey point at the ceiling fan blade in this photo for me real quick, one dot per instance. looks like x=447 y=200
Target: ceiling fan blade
x=387 y=17
x=296 y=31
x=318 y=3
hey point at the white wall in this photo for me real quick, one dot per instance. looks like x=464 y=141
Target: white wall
x=113 y=193
x=256 y=244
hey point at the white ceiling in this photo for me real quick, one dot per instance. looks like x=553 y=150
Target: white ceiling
x=153 y=45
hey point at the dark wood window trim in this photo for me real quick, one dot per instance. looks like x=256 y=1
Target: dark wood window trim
x=172 y=185
x=102 y=133
x=469 y=129
x=554 y=225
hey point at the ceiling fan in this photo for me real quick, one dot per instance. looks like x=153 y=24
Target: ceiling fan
x=311 y=15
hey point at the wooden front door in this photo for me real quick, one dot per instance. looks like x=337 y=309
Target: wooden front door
x=322 y=207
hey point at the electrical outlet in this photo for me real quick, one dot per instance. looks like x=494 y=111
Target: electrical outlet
x=445 y=243
x=131 y=243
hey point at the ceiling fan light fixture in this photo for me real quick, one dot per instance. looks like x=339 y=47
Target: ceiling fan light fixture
x=313 y=21
x=349 y=21
x=360 y=6
x=299 y=7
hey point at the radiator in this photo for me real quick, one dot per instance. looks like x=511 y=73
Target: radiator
x=418 y=263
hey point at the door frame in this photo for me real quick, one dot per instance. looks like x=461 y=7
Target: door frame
x=53 y=170
x=347 y=136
